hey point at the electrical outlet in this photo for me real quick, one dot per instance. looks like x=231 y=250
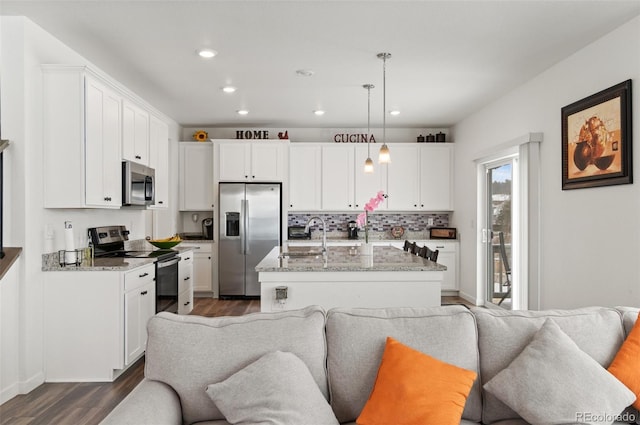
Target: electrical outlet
x=430 y=221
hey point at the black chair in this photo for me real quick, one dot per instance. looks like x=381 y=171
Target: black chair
x=407 y=245
x=414 y=248
x=426 y=252
x=507 y=268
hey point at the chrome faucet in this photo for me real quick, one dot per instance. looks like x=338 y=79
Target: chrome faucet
x=324 y=233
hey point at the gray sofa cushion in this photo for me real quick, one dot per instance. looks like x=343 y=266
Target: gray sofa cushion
x=629 y=317
x=502 y=335
x=275 y=389
x=553 y=372
x=190 y=352
x=356 y=340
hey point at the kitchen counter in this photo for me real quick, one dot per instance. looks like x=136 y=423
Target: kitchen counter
x=346 y=258
x=368 y=277
x=50 y=262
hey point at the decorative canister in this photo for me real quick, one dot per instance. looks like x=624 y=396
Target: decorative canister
x=421 y=139
x=431 y=138
x=440 y=137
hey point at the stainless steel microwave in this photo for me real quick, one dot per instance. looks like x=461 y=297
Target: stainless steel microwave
x=137 y=184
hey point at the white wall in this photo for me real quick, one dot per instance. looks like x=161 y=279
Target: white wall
x=590 y=238
x=25 y=46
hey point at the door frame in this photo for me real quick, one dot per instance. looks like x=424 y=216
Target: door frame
x=526 y=220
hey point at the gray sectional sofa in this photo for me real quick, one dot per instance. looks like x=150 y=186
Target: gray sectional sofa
x=342 y=349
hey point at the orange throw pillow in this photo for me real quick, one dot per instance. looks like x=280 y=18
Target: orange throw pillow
x=415 y=388
x=626 y=364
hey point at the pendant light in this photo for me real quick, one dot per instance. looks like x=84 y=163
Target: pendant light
x=384 y=156
x=368 y=164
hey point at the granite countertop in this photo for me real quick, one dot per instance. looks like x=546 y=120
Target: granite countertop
x=50 y=263
x=346 y=258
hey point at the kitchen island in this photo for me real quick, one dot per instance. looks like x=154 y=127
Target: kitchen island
x=380 y=276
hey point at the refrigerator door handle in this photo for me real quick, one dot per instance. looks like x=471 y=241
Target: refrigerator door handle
x=247 y=235
x=243 y=227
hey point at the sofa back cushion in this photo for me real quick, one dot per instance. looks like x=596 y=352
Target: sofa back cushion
x=190 y=352
x=502 y=335
x=629 y=317
x=356 y=339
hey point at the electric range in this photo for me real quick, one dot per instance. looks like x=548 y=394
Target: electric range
x=108 y=242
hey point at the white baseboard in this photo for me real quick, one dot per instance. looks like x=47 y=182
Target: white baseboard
x=24 y=387
x=471 y=298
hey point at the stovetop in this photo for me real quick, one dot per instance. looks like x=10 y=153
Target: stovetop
x=158 y=253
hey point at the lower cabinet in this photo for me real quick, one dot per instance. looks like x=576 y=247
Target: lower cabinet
x=185 y=283
x=139 y=307
x=95 y=322
x=202 y=267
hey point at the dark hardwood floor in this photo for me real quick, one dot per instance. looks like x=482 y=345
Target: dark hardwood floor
x=87 y=403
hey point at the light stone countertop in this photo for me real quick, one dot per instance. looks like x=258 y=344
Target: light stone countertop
x=346 y=258
x=50 y=263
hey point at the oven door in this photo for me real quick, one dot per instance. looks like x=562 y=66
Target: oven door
x=167 y=285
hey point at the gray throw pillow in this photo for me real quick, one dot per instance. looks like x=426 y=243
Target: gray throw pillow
x=552 y=381
x=275 y=389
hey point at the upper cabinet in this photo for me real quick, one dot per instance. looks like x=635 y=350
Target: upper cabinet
x=88 y=120
x=305 y=171
x=436 y=177
x=196 y=176
x=135 y=133
x=251 y=161
x=159 y=160
x=82 y=130
x=419 y=177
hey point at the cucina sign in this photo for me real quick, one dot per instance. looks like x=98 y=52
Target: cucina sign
x=354 y=138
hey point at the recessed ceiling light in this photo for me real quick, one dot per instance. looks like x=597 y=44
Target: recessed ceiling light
x=242 y=112
x=207 y=53
x=228 y=89
x=304 y=72
x=394 y=112
x=319 y=112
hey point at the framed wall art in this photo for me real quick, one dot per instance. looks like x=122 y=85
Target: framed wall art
x=596 y=139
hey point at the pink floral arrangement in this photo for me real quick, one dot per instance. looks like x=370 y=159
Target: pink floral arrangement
x=363 y=218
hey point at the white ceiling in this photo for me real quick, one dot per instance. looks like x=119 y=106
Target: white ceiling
x=449 y=58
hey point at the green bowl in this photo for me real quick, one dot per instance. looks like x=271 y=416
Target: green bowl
x=164 y=245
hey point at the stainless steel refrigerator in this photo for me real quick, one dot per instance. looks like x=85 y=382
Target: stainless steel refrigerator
x=249 y=228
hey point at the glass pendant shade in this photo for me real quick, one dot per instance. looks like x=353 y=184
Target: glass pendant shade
x=384 y=156
x=368 y=166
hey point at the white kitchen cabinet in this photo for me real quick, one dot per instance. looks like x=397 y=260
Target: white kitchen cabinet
x=139 y=307
x=196 y=176
x=436 y=177
x=95 y=322
x=367 y=185
x=448 y=256
x=82 y=127
x=159 y=160
x=252 y=161
x=403 y=178
x=135 y=133
x=338 y=178
x=305 y=171
x=202 y=276
x=185 y=283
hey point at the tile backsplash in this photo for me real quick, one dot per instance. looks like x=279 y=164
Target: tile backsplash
x=379 y=222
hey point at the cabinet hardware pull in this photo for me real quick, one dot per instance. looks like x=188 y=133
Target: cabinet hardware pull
x=138 y=157
x=187 y=259
x=439 y=247
x=187 y=278
x=143 y=275
x=246 y=177
x=290 y=205
x=349 y=205
x=161 y=202
x=253 y=177
x=209 y=258
x=143 y=293
x=187 y=303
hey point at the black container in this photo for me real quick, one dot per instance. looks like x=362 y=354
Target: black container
x=440 y=137
x=431 y=138
x=421 y=139
x=352 y=230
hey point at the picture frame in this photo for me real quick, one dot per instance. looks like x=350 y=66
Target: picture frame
x=597 y=139
x=443 y=233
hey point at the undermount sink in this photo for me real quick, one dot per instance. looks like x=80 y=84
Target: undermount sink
x=301 y=253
